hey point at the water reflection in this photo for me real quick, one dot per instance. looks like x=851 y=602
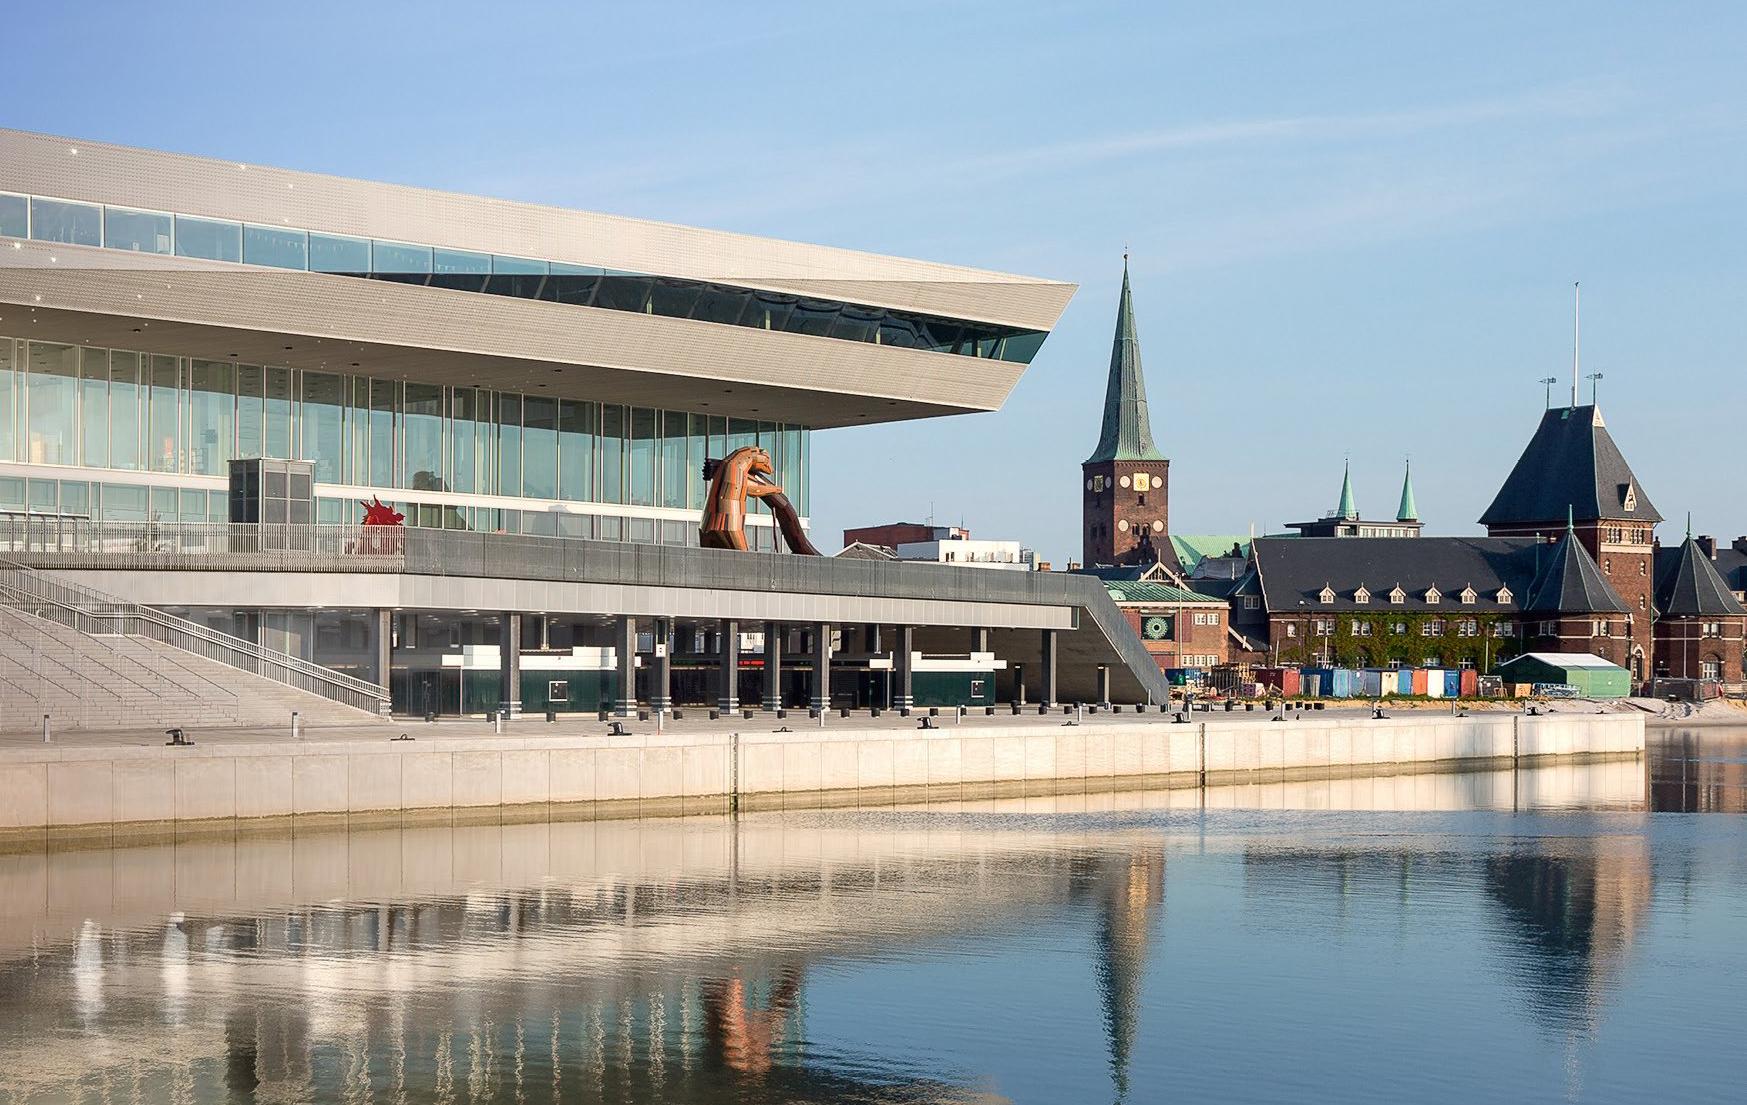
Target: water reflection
x=975 y=951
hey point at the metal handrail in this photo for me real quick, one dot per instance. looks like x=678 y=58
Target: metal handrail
x=93 y=612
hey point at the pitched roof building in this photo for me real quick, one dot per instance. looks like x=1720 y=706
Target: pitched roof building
x=1701 y=627
x=1572 y=472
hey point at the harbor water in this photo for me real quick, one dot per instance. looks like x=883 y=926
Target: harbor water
x=1572 y=932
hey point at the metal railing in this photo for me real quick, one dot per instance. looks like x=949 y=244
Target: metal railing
x=152 y=546
x=94 y=613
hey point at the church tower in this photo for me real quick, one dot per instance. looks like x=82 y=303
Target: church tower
x=1125 y=482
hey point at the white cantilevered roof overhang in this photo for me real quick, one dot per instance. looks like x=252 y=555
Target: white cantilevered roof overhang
x=194 y=307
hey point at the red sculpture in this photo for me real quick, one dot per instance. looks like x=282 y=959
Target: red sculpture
x=746 y=472
x=379 y=513
x=380 y=517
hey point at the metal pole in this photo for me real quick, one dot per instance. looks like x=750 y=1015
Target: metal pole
x=294 y=734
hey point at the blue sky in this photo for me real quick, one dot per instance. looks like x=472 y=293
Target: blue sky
x=1354 y=226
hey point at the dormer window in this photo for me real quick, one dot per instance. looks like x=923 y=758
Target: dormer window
x=1398 y=596
x=1362 y=595
x=1327 y=597
x=1631 y=497
x=1468 y=596
x=1433 y=596
x=1504 y=595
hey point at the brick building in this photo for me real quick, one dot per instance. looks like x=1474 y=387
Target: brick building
x=1124 y=516
x=1572 y=472
x=1701 y=626
x=1179 y=627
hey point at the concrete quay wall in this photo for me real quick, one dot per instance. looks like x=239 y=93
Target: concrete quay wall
x=217 y=783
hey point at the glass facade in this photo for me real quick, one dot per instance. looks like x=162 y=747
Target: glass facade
x=287 y=247
x=120 y=411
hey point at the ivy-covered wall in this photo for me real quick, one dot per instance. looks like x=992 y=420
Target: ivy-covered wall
x=1410 y=647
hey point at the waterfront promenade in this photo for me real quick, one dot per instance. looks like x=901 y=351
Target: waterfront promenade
x=98 y=783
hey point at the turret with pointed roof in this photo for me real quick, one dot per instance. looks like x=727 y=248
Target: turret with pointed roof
x=1348 y=511
x=1408 y=511
x=1689 y=586
x=1127 y=432
x=1126 y=478
x=1571 y=583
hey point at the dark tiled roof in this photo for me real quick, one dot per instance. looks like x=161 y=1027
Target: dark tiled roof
x=1688 y=585
x=1731 y=564
x=1294 y=570
x=1570 y=463
x=1571 y=583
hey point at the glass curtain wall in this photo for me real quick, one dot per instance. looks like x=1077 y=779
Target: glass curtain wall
x=129 y=411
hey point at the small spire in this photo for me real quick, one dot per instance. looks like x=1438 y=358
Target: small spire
x=1348 y=510
x=1408 y=511
x=1689 y=525
x=1570 y=521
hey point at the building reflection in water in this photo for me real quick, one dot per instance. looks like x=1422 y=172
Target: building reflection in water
x=669 y=959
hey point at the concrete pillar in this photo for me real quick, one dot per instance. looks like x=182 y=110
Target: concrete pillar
x=625 y=657
x=1019 y=684
x=728 y=667
x=870 y=639
x=1046 y=695
x=509 y=657
x=1103 y=684
x=820 y=696
x=773 y=665
x=384 y=647
x=661 y=674
x=980 y=638
x=903 y=645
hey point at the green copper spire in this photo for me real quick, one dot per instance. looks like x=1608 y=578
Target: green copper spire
x=1407 y=511
x=1348 y=510
x=1127 y=433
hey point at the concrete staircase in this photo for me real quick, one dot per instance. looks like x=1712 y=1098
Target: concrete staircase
x=89 y=681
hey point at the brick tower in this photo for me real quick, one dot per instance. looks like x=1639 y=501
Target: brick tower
x=1572 y=475
x=1126 y=480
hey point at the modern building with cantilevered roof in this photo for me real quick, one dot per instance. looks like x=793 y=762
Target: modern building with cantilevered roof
x=491 y=370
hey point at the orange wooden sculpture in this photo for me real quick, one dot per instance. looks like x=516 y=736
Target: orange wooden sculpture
x=746 y=472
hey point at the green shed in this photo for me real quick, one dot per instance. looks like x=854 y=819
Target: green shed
x=1592 y=676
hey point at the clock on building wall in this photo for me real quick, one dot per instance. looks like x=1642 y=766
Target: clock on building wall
x=1156 y=629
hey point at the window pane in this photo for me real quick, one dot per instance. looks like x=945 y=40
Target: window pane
x=464 y=468
x=575 y=284
x=356 y=467
x=509 y=444
x=619 y=292
x=11 y=403
x=162 y=440
x=333 y=253
x=517 y=265
x=51 y=404
x=610 y=456
x=11 y=492
x=94 y=407
x=126 y=395
x=212 y=413
x=43 y=497
x=277 y=442
x=208 y=238
x=460 y=270
x=14 y=216
x=424 y=437
x=540 y=448
x=163 y=500
x=676 y=473
x=79 y=224
x=394 y=257
x=697 y=452
x=384 y=406
x=577 y=423
x=251 y=410
x=124 y=503
x=141 y=231
x=642 y=470
x=324 y=404
x=76 y=498
x=275 y=248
